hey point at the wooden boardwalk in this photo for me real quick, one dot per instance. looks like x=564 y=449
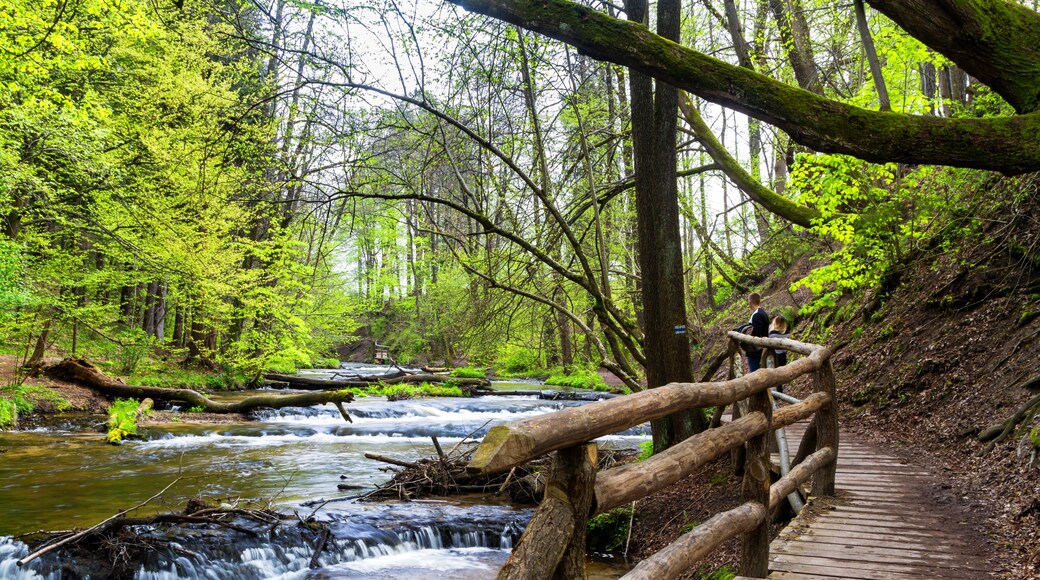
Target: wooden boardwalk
x=884 y=523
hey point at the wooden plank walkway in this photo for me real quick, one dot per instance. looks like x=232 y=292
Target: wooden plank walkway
x=884 y=523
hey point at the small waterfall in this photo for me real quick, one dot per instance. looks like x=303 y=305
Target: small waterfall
x=225 y=555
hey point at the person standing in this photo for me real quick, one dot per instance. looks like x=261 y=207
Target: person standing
x=759 y=327
x=778 y=329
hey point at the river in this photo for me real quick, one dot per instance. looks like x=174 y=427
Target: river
x=65 y=476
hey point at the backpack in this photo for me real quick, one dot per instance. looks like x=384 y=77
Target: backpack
x=748 y=329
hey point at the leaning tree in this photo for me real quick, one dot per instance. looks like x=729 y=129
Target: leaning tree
x=995 y=41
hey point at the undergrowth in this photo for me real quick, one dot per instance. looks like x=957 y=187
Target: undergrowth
x=17 y=400
x=468 y=373
x=398 y=392
x=578 y=379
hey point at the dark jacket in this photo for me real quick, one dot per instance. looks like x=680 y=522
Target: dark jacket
x=760 y=322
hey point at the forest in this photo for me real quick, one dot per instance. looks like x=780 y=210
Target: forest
x=221 y=195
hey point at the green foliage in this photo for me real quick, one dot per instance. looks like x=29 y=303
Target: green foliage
x=197 y=409
x=122 y=419
x=288 y=360
x=469 y=373
x=8 y=414
x=516 y=360
x=646 y=449
x=13 y=293
x=578 y=379
x=723 y=573
x=400 y=392
x=135 y=345
x=607 y=532
x=874 y=214
x=22 y=399
x=328 y=363
x=887 y=332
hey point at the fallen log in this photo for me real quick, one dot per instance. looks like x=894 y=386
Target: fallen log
x=86 y=374
x=310 y=384
x=549 y=395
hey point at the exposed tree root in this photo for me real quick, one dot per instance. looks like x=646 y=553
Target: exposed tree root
x=1001 y=431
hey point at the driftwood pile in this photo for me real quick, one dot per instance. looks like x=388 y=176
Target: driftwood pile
x=445 y=474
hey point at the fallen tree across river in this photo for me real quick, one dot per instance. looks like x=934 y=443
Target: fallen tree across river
x=82 y=372
x=312 y=384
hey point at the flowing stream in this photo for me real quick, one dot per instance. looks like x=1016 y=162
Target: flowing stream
x=65 y=476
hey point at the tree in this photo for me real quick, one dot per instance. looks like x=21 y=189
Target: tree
x=654 y=119
x=1003 y=58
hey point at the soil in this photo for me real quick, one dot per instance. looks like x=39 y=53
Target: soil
x=81 y=398
x=666 y=515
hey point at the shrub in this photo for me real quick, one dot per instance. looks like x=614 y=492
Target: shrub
x=8 y=414
x=468 y=373
x=401 y=392
x=518 y=360
x=579 y=379
x=287 y=361
x=646 y=449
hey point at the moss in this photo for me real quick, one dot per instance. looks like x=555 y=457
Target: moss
x=122 y=419
x=1027 y=316
x=608 y=531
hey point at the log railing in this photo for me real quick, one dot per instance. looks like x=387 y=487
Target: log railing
x=553 y=545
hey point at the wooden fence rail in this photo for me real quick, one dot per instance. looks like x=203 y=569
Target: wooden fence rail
x=552 y=546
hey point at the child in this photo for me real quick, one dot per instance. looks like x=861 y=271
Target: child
x=778 y=329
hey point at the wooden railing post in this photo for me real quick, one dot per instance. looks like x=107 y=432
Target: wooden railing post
x=754 y=559
x=826 y=428
x=553 y=545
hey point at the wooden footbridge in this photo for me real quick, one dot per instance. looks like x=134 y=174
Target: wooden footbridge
x=868 y=516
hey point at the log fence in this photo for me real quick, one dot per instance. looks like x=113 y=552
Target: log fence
x=553 y=545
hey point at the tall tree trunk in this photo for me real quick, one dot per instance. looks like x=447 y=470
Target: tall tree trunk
x=928 y=84
x=149 y=308
x=872 y=57
x=654 y=121
x=178 y=326
x=794 y=34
